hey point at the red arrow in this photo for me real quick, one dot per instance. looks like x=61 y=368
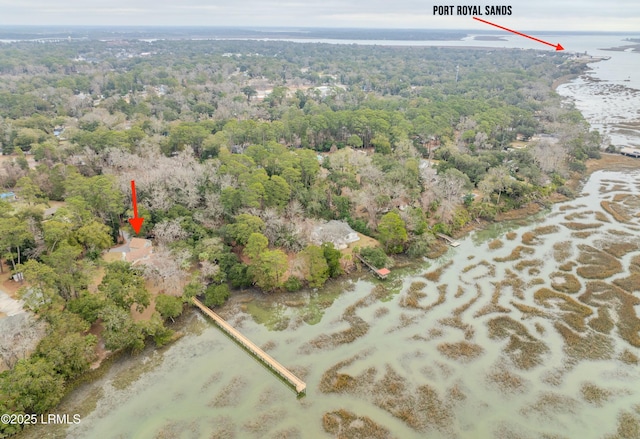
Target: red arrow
x=557 y=46
x=135 y=222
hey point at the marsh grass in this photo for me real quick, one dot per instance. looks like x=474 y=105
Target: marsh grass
x=567 y=266
x=596 y=264
x=594 y=394
x=524 y=350
x=549 y=404
x=230 y=395
x=506 y=381
x=511 y=236
x=343 y=424
x=261 y=422
x=530 y=238
x=581 y=226
x=512 y=280
x=629 y=357
x=358 y=327
x=602 y=217
x=516 y=254
x=437 y=249
x=530 y=311
x=332 y=381
x=495 y=244
x=380 y=312
x=529 y=263
x=565 y=282
x=591 y=346
x=413 y=295
x=434 y=276
x=616 y=211
x=462 y=351
x=627 y=321
x=628 y=426
x=490 y=269
x=581 y=235
x=620 y=248
x=562 y=251
x=578 y=215
x=603 y=322
x=420 y=408
x=575 y=312
x=629 y=283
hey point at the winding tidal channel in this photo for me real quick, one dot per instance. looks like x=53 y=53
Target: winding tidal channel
x=526 y=330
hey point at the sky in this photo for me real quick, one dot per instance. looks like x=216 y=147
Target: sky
x=548 y=15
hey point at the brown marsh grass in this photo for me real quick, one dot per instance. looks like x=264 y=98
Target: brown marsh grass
x=516 y=254
x=489 y=272
x=590 y=346
x=575 y=312
x=594 y=394
x=529 y=310
x=616 y=211
x=578 y=215
x=495 y=244
x=629 y=357
x=511 y=236
x=506 y=381
x=529 y=263
x=343 y=424
x=628 y=426
x=627 y=321
x=524 y=350
x=463 y=351
x=565 y=282
x=435 y=275
x=603 y=322
x=619 y=248
x=551 y=404
x=562 y=251
x=630 y=283
x=567 y=266
x=596 y=264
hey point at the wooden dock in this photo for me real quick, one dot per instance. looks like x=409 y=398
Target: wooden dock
x=382 y=273
x=267 y=359
x=452 y=242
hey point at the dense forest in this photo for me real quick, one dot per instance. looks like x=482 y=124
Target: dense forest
x=239 y=149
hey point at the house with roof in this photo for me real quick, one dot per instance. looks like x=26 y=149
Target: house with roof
x=137 y=250
x=337 y=232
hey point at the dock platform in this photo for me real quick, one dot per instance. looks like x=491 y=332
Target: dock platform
x=452 y=242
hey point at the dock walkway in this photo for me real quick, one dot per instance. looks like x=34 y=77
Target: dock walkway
x=296 y=382
x=382 y=273
x=452 y=242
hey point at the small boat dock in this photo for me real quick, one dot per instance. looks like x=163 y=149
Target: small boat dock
x=382 y=273
x=452 y=242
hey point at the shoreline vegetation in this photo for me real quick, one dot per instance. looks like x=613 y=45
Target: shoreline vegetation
x=242 y=151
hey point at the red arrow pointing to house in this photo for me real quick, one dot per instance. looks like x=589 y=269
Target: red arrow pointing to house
x=557 y=46
x=135 y=222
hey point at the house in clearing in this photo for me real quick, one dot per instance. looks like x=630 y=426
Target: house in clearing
x=139 y=250
x=337 y=232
